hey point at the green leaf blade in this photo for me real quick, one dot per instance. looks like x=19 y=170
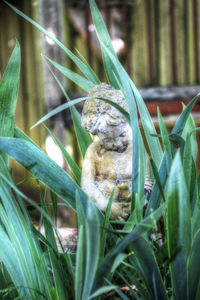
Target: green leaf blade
x=105 y=40
x=83 y=83
x=180 y=123
x=194 y=268
x=44 y=169
x=9 y=86
x=74 y=167
x=178 y=227
x=149 y=268
x=165 y=140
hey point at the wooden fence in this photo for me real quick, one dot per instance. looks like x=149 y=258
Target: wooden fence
x=161 y=38
x=161 y=44
x=158 y=43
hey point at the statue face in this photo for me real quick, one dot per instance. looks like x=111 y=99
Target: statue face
x=113 y=135
x=105 y=121
x=104 y=126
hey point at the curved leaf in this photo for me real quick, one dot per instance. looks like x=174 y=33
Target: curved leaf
x=180 y=123
x=9 y=85
x=105 y=40
x=146 y=225
x=149 y=269
x=72 y=164
x=194 y=267
x=44 y=169
x=83 y=137
x=79 y=80
x=178 y=227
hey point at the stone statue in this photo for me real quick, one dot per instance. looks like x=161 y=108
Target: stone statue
x=107 y=163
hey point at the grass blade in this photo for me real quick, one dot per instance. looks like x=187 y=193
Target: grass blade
x=73 y=166
x=79 y=275
x=96 y=79
x=149 y=129
x=105 y=227
x=102 y=290
x=19 y=134
x=90 y=247
x=149 y=268
x=83 y=137
x=180 y=123
x=105 y=40
x=45 y=170
x=178 y=227
x=57 y=270
x=190 y=129
x=9 y=85
x=79 y=80
x=194 y=267
x=165 y=141
x=58 y=109
x=122 y=78
x=22 y=252
x=141 y=228
x=157 y=178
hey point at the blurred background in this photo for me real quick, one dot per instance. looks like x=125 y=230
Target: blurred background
x=157 y=41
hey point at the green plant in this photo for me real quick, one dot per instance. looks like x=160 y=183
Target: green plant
x=109 y=256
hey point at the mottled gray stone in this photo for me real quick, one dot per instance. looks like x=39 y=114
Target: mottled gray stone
x=108 y=161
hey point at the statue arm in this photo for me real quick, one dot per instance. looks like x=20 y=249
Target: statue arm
x=88 y=179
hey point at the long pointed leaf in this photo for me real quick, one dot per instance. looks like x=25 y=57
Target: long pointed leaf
x=122 y=78
x=96 y=79
x=194 y=267
x=165 y=140
x=106 y=266
x=44 y=169
x=73 y=166
x=83 y=137
x=180 y=123
x=149 y=268
x=9 y=85
x=83 y=83
x=178 y=227
x=105 y=40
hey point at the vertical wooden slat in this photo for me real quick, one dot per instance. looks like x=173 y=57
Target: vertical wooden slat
x=172 y=42
x=23 y=82
x=149 y=41
x=72 y=44
x=88 y=38
x=190 y=46
x=68 y=40
x=186 y=33
x=164 y=57
x=127 y=11
x=180 y=55
x=32 y=77
x=196 y=50
x=139 y=48
x=198 y=37
x=156 y=27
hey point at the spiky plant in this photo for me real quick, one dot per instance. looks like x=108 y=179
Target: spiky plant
x=107 y=260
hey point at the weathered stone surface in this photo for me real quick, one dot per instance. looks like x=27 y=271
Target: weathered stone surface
x=108 y=161
x=103 y=120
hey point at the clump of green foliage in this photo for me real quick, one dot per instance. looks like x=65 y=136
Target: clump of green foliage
x=108 y=257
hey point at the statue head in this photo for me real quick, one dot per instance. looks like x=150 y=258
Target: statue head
x=104 y=120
